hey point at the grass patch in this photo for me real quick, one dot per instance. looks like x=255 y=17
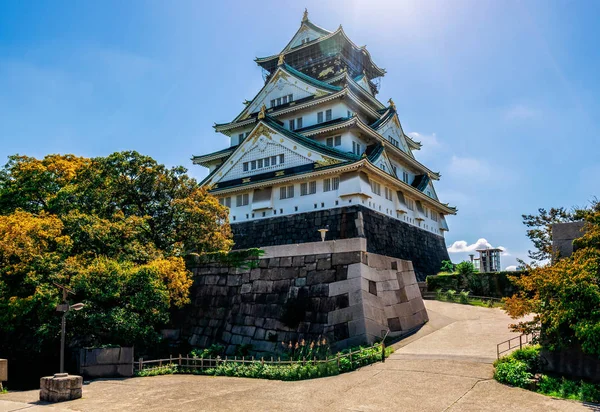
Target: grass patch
x=521 y=366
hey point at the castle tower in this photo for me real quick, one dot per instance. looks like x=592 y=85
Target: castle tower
x=316 y=149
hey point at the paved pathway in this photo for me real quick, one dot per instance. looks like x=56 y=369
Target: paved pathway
x=446 y=366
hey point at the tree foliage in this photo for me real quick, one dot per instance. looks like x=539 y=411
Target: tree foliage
x=540 y=227
x=116 y=230
x=564 y=298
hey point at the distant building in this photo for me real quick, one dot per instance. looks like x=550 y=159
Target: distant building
x=489 y=259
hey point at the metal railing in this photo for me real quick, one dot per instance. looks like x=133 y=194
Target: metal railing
x=516 y=343
x=195 y=363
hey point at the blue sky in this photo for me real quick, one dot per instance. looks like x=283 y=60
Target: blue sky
x=503 y=94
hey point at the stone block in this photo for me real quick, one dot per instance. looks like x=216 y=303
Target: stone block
x=345 y=258
x=342 y=301
x=255 y=274
x=373 y=313
x=246 y=288
x=298 y=261
x=354 y=296
x=285 y=262
x=413 y=291
x=355 y=270
x=259 y=334
x=310 y=266
x=341 y=272
x=403 y=310
x=320 y=276
x=319 y=290
x=310 y=259
x=60 y=387
x=236 y=340
x=356 y=327
x=234 y=280
x=401 y=295
x=394 y=324
x=345 y=315
x=417 y=305
x=323 y=263
x=273 y=262
x=387 y=285
x=388 y=297
x=300 y=282
x=262 y=286
x=409 y=278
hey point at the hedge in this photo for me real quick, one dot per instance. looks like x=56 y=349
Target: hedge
x=493 y=284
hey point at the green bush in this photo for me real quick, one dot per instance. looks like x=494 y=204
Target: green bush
x=464 y=297
x=465 y=268
x=513 y=372
x=211 y=352
x=531 y=356
x=496 y=284
x=439 y=294
x=447 y=266
x=450 y=294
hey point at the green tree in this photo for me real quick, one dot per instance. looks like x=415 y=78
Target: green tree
x=447 y=266
x=564 y=297
x=116 y=230
x=465 y=268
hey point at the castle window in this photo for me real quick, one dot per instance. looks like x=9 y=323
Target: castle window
x=273 y=160
x=253 y=165
x=278 y=101
x=308 y=188
x=299 y=123
x=388 y=193
x=281 y=159
x=410 y=204
x=326 y=185
x=335 y=183
x=245 y=166
x=292 y=124
x=290 y=98
x=395 y=169
x=284 y=99
x=356 y=149
x=259 y=163
x=320 y=117
x=434 y=216
x=242 y=200
x=337 y=141
x=426 y=212
x=267 y=161
x=376 y=188
x=405 y=176
x=393 y=141
x=286 y=192
x=327 y=115
x=273 y=103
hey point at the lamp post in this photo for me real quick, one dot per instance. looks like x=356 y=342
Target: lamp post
x=65 y=308
x=323 y=232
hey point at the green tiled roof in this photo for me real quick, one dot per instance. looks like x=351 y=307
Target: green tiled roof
x=311 y=80
x=383 y=119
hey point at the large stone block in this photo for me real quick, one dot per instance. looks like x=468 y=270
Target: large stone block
x=60 y=387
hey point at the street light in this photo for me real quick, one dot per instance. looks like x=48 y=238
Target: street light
x=324 y=232
x=65 y=308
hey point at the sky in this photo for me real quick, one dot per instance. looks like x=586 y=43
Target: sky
x=502 y=94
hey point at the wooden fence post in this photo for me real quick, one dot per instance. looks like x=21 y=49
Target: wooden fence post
x=141 y=364
x=337 y=358
x=180 y=359
x=521 y=342
x=382 y=352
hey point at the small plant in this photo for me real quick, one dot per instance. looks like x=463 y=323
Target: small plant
x=490 y=303
x=439 y=294
x=450 y=294
x=301 y=350
x=447 y=266
x=465 y=268
x=513 y=372
x=464 y=297
x=159 y=370
x=211 y=352
x=3 y=390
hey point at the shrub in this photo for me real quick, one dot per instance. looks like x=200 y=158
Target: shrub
x=531 y=356
x=439 y=294
x=447 y=266
x=464 y=297
x=211 y=352
x=465 y=268
x=513 y=372
x=450 y=295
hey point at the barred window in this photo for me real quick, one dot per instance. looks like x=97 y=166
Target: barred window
x=376 y=188
x=242 y=200
x=286 y=192
x=335 y=183
x=326 y=185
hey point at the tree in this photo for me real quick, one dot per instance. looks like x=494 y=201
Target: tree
x=564 y=297
x=465 y=268
x=116 y=230
x=540 y=227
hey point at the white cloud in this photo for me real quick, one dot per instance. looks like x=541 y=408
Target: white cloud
x=521 y=112
x=461 y=246
x=511 y=268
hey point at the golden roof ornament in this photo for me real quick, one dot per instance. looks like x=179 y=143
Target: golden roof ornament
x=392 y=105
x=262 y=113
x=281 y=61
x=305 y=16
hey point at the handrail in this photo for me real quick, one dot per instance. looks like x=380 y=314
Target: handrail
x=525 y=339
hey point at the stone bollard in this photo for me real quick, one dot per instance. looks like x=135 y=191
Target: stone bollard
x=3 y=372
x=60 y=387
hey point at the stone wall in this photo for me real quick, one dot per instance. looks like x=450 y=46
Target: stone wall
x=105 y=362
x=333 y=289
x=385 y=235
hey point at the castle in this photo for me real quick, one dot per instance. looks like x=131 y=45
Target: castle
x=316 y=150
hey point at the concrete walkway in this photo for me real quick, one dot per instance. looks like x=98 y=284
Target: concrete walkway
x=446 y=366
